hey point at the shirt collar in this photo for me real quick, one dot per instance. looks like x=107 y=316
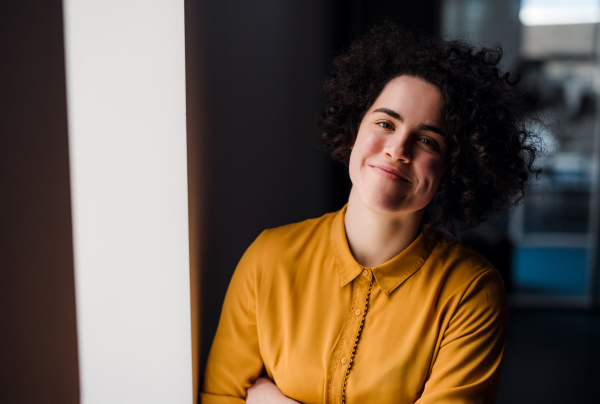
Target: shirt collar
x=390 y=274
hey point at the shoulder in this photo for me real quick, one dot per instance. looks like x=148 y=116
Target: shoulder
x=284 y=244
x=280 y=247
x=298 y=235
x=463 y=271
x=281 y=256
x=462 y=261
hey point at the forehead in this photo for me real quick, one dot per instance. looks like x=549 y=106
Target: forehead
x=411 y=95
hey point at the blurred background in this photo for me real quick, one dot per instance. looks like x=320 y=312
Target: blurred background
x=254 y=71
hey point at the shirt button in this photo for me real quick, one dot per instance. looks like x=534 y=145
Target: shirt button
x=357 y=312
x=344 y=360
x=365 y=272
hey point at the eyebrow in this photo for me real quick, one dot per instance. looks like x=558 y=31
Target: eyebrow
x=397 y=116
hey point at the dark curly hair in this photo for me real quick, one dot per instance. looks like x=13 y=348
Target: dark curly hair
x=490 y=146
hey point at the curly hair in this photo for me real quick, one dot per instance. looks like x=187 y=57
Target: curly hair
x=490 y=146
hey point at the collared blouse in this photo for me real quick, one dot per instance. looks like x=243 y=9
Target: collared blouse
x=428 y=326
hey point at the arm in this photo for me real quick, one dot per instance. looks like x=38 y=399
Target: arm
x=235 y=362
x=467 y=367
x=264 y=391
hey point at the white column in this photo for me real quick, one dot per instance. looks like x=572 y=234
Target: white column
x=125 y=66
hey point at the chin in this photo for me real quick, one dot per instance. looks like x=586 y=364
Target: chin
x=390 y=204
x=387 y=204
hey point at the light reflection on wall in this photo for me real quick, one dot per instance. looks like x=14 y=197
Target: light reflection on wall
x=127 y=137
x=554 y=12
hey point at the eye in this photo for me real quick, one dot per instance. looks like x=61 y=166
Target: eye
x=429 y=142
x=386 y=125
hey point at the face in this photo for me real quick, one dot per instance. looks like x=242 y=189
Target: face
x=398 y=159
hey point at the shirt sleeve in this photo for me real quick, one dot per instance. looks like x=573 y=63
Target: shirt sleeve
x=467 y=367
x=234 y=362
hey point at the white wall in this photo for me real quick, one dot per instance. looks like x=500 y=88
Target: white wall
x=125 y=68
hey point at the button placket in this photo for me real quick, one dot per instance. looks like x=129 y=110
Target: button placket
x=357 y=338
x=362 y=288
x=338 y=371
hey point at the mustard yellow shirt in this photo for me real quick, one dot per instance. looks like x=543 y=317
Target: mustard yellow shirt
x=428 y=326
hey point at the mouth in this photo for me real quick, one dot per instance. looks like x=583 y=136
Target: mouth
x=390 y=172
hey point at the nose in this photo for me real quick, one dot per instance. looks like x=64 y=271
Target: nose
x=399 y=147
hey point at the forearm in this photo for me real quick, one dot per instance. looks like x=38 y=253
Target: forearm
x=264 y=391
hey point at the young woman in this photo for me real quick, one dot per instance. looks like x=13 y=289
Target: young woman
x=372 y=304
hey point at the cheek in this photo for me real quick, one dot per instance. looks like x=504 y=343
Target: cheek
x=353 y=165
x=366 y=145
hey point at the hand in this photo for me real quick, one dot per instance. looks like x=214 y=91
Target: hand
x=264 y=391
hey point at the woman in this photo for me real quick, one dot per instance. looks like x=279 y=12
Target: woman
x=372 y=304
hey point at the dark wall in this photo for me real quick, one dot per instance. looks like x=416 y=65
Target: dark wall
x=38 y=341
x=355 y=16
x=262 y=64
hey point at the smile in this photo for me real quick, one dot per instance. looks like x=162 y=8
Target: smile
x=390 y=173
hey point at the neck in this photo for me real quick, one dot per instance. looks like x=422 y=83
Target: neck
x=376 y=237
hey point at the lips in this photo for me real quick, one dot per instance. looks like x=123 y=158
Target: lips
x=391 y=172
